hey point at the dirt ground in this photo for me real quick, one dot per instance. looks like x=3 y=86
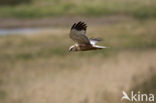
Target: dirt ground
x=59 y=21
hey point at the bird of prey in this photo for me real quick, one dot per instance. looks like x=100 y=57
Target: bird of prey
x=82 y=42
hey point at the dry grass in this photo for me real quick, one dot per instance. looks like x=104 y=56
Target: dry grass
x=39 y=69
x=72 y=79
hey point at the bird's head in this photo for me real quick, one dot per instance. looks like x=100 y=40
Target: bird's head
x=73 y=48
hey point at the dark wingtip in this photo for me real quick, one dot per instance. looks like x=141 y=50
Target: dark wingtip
x=79 y=26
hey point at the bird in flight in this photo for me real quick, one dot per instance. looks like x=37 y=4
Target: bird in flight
x=82 y=42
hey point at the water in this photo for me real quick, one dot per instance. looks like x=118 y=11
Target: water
x=18 y=31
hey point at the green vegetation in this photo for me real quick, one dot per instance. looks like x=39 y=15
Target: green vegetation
x=130 y=35
x=13 y=2
x=2 y=95
x=38 y=68
x=49 y=8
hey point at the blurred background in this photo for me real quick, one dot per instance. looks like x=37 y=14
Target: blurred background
x=35 y=66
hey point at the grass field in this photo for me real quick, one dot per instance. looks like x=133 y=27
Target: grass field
x=49 y=8
x=39 y=68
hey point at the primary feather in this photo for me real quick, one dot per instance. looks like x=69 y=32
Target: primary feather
x=78 y=33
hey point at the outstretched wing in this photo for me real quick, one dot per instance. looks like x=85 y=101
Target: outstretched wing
x=93 y=41
x=78 y=33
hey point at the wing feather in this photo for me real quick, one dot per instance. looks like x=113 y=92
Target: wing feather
x=78 y=33
x=93 y=41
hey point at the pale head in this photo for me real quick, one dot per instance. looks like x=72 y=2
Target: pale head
x=73 y=48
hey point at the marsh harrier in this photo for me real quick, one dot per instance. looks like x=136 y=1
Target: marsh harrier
x=82 y=42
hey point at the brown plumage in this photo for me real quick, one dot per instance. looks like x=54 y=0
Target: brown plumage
x=78 y=35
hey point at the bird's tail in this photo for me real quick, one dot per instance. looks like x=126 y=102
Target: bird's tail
x=99 y=47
